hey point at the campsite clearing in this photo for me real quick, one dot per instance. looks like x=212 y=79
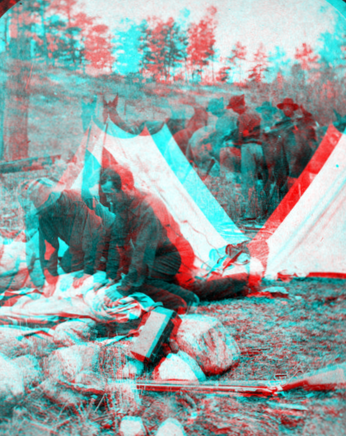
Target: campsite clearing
x=279 y=338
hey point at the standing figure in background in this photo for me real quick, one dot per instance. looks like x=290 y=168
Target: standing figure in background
x=292 y=130
x=307 y=129
x=286 y=129
x=274 y=156
x=247 y=137
x=206 y=144
x=198 y=121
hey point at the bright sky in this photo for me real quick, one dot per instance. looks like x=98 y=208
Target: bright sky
x=284 y=23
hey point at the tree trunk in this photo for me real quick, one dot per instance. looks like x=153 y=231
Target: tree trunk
x=16 y=142
x=44 y=37
x=6 y=19
x=2 y=112
x=15 y=130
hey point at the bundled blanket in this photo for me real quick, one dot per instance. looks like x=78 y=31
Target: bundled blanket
x=86 y=301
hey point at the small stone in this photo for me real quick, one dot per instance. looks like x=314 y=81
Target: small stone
x=278 y=291
x=66 y=363
x=179 y=366
x=11 y=384
x=206 y=340
x=132 y=426
x=115 y=362
x=171 y=427
x=127 y=397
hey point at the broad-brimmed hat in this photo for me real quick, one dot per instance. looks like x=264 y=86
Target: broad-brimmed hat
x=288 y=102
x=236 y=100
x=267 y=107
x=42 y=192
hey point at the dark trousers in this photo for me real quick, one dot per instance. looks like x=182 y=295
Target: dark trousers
x=72 y=260
x=160 y=285
x=220 y=289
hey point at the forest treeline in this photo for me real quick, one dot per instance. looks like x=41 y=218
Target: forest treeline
x=57 y=32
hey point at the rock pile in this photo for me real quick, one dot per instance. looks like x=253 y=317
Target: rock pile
x=69 y=364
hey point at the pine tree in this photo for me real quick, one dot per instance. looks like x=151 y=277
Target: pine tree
x=306 y=57
x=98 y=48
x=144 y=46
x=260 y=65
x=127 y=48
x=163 y=46
x=67 y=33
x=201 y=49
x=236 y=60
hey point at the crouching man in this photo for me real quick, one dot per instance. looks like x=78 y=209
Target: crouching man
x=63 y=214
x=141 y=257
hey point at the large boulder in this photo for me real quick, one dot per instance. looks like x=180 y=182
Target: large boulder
x=12 y=344
x=15 y=263
x=40 y=344
x=132 y=426
x=66 y=363
x=178 y=366
x=31 y=370
x=72 y=333
x=11 y=384
x=171 y=427
x=207 y=341
x=15 y=342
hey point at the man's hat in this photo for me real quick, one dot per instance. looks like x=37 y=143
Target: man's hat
x=236 y=100
x=288 y=102
x=267 y=107
x=42 y=192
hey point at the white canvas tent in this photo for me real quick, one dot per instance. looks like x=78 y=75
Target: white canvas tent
x=153 y=173
x=160 y=168
x=311 y=239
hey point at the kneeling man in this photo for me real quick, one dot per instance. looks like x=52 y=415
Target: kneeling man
x=63 y=214
x=141 y=256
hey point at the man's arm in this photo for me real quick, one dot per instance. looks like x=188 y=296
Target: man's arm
x=93 y=242
x=143 y=251
x=49 y=247
x=116 y=241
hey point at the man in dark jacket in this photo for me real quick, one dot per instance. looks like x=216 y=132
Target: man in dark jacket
x=247 y=136
x=298 y=138
x=63 y=214
x=141 y=256
x=274 y=156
